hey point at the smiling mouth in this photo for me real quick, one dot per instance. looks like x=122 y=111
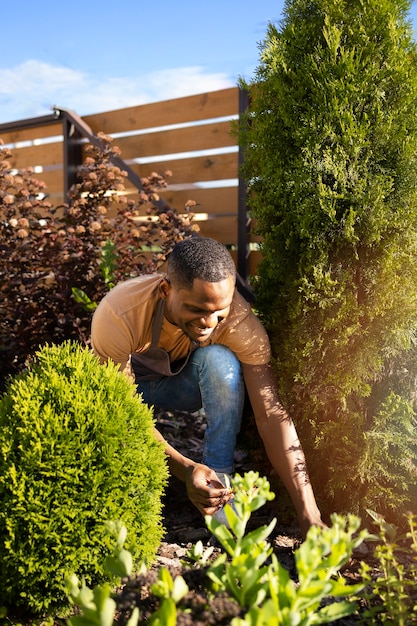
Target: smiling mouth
x=202 y=332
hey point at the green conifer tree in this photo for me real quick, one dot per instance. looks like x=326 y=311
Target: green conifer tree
x=331 y=158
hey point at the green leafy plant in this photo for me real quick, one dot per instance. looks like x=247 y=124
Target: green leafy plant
x=97 y=606
x=170 y=591
x=266 y=586
x=244 y=575
x=393 y=591
x=249 y=572
x=76 y=449
x=107 y=270
x=108 y=263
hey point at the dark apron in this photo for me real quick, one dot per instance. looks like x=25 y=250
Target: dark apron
x=154 y=363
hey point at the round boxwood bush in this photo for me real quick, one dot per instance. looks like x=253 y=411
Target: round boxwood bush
x=76 y=450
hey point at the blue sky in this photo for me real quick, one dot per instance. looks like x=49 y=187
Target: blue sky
x=92 y=56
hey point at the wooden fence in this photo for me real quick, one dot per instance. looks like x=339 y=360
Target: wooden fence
x=189 y=136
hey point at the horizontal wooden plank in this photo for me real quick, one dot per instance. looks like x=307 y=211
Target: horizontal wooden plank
x=191 y=170
x=30 y=134
x=203 y=106
x=46 y=155
x=224 y=229
x=204 y=137
x=221 y=200
x=214 y=201
x=55 y=198
x=54 y=181
x=210 y=136
x=254 y=259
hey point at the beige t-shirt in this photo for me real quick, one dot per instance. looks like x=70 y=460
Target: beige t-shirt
x=122 y=325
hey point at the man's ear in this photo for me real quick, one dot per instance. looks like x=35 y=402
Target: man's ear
x=164 y=287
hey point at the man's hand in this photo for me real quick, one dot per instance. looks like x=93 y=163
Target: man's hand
x=205 y=490
x=305 y=524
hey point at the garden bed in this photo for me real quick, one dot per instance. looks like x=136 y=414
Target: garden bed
x=185 y=526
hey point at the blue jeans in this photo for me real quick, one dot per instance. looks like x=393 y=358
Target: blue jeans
x=212 y=380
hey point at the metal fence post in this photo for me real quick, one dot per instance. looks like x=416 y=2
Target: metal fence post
x=72 y=154
x=243 y=221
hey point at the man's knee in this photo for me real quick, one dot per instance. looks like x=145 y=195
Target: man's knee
x=220 y=366
x=219 y=357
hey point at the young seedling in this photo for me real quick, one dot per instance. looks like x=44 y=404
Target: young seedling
x=255 y=578
x=97 y=605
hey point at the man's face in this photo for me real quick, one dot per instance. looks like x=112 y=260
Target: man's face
x=197 y=311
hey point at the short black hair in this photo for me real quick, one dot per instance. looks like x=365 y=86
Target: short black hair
x=202 y=258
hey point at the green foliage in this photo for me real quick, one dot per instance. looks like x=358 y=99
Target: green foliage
x=331 y=158
x=107 y=270
x=97 y=606
x=170 y=591
x=244 y=575
x=269 y=594
x=266 y=587
x=392 y=593
x=108 y=265
x=56 y=263
x=76 y=450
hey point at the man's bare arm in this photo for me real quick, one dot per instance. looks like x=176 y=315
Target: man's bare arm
x=203 y=488
x=281 y=442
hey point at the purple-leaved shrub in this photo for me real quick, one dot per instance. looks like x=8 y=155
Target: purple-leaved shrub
x=46 y=252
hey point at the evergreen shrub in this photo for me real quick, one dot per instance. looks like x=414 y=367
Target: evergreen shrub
x=330 y=145
x=77 y=450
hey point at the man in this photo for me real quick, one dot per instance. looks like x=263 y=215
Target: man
x=193 y=342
